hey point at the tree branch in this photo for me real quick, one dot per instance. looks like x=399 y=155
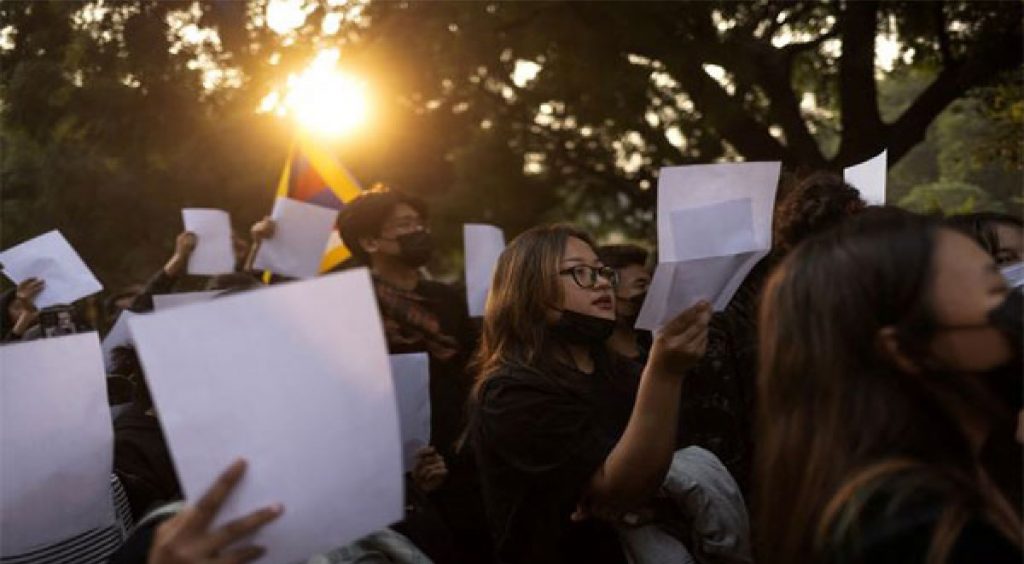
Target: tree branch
x=861 y=120
x=943 y=34
x=984 y=64
x=791 y=50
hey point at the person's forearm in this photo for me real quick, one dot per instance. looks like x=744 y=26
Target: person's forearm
x=175 y=266
x=250 y=257
x=637 y=465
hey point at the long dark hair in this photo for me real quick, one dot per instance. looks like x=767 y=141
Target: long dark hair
x=525 y=285
x=836 y=415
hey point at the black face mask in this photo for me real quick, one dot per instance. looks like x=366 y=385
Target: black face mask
x=416 y=248
x=1008 y=317
x=637 y=301
x=1007 y=382
x=577 y=328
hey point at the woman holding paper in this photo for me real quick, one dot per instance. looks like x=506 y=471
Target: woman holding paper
x=545 y=422
x=890 y=351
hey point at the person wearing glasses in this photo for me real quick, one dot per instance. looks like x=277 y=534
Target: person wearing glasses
x=387 y=231
x=563 y=453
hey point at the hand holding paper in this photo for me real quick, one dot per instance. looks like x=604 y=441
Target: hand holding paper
x=278 y=378
x=213 y=253
x=300 y=235
x=50 y=258
x=189 y=532
x=714 y=225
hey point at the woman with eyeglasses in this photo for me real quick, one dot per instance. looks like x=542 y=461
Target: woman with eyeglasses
x=558 y=437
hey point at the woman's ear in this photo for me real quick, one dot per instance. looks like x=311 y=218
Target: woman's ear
x=888 y=344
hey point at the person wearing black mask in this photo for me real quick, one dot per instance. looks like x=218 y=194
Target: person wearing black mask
x=882 y=342
x=556 y=459
x=631 y=265
x=387 y=231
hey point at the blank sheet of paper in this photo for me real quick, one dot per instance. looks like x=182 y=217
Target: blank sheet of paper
x=700 y=185
x=411 y=374
x=214 y=253
x=483 y=245
x=56 y=442
x=300 y=237
x=714 y=225
x=714 y=230
x=295 y=379
x=50 y=258
x=868 y=177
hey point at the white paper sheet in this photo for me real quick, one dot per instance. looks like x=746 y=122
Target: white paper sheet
x=700 y=185
x=301 y=234
x=869 y=178
x=119 y=335
x=714 y=225
x=714 y=230
x=50 y=258
x=1014 y=274
x=56 y=442
x=167 y=301
x=411 y=374
x=302 y=392
x=214 y=253
x=483 y=245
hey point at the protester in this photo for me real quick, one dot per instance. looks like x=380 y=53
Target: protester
x=634 y=272
x=387 y=231
x=1001 y=235
x=882 y=342
x=164 y=280
x=544 y=423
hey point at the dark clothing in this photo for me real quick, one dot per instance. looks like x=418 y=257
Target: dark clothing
x=449 y=380
x=717 y=405
x=142 y=461
x=897 y=525
x=539 y=437
x=437 y=321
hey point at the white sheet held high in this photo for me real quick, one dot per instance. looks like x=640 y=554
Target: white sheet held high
x=296 y=379
x=714 y=225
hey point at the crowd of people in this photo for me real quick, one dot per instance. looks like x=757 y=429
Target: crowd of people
x=858 y=400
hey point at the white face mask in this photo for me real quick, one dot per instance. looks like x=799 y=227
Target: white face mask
x=1014 y=274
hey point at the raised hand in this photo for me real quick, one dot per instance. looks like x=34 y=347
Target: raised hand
x=187 y=537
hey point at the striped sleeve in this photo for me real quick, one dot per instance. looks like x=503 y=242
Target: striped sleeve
x=90 y=547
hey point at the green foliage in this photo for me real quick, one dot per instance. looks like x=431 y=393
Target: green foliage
x=108 y=128
x=949 y=198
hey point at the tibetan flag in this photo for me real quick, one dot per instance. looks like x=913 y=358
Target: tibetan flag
x=313 y=175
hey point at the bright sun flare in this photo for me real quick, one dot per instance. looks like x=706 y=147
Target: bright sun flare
x=325 y=99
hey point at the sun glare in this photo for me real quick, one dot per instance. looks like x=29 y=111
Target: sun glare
x=325 y=99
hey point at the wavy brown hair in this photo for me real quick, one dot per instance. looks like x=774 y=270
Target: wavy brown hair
x=837 y=419
x=524 y=287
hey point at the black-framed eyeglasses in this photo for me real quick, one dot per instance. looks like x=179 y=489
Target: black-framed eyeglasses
x=585 y=276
